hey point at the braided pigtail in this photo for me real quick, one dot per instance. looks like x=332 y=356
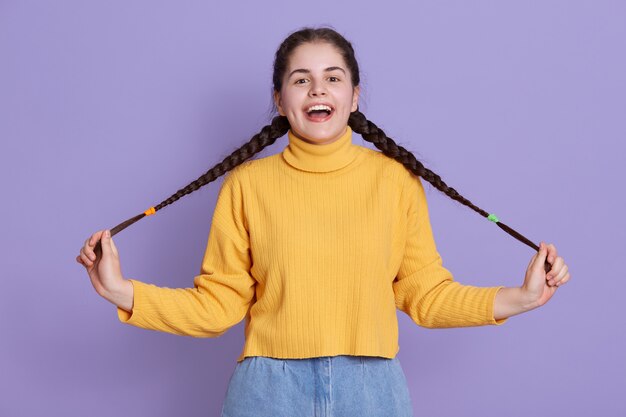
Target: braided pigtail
x=372 y=133
x=266 y=137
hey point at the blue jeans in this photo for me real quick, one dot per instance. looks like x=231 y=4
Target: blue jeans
x=326 y=386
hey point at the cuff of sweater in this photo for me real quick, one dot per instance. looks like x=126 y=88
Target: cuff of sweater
x=493 y=291
x=133 y=316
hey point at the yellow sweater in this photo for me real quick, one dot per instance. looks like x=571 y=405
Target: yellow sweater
x=315 y=247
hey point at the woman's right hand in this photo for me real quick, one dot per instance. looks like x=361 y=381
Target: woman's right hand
x=104 y=270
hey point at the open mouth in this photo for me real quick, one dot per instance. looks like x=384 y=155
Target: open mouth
x=320 y=115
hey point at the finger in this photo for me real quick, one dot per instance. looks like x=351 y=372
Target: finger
x=90 y=244
x=86 y=260
x=88 y=253
x=552 y=254
x=556 y=267
x=93 y=239
x=560 y=275
x=564 y=280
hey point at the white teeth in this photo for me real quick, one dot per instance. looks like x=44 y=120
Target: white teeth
x=319 y=107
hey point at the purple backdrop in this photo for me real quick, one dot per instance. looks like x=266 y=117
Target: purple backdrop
x=107 y=108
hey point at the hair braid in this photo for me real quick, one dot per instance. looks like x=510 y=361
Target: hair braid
x=357 y=121
x=372 y=133
x=267 y=136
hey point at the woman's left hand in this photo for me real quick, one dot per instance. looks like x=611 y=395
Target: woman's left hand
x=540 y=286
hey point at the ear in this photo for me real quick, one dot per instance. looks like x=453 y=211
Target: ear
x=355 y=98
x=278 y=103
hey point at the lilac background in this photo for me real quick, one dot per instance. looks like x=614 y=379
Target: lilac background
x=107 y=108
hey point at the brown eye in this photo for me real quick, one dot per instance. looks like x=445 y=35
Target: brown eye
x=335 y=78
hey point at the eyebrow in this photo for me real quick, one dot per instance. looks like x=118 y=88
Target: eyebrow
x=306 y=71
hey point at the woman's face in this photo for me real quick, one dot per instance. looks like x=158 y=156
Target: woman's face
x=316 y=74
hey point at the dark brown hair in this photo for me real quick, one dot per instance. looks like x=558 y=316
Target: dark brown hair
x=357 y=121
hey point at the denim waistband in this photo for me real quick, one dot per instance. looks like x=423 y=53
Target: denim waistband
x=316 y=362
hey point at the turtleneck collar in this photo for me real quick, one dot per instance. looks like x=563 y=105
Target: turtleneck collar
x=320 y=158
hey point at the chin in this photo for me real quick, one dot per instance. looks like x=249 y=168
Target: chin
x=320 y=133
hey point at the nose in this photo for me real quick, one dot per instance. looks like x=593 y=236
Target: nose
x=317 y=89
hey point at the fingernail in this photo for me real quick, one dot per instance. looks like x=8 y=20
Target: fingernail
x=107 y=233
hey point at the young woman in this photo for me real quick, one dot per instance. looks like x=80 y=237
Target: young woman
x=316 y=247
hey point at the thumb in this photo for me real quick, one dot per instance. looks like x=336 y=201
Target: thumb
x=541 y=256
x=113 y=247
x=107 y=249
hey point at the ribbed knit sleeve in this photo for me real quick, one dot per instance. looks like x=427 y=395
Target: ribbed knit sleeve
x=222 y=291
x=423 y=288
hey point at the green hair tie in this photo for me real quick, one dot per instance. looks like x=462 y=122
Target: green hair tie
x=492 y=217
